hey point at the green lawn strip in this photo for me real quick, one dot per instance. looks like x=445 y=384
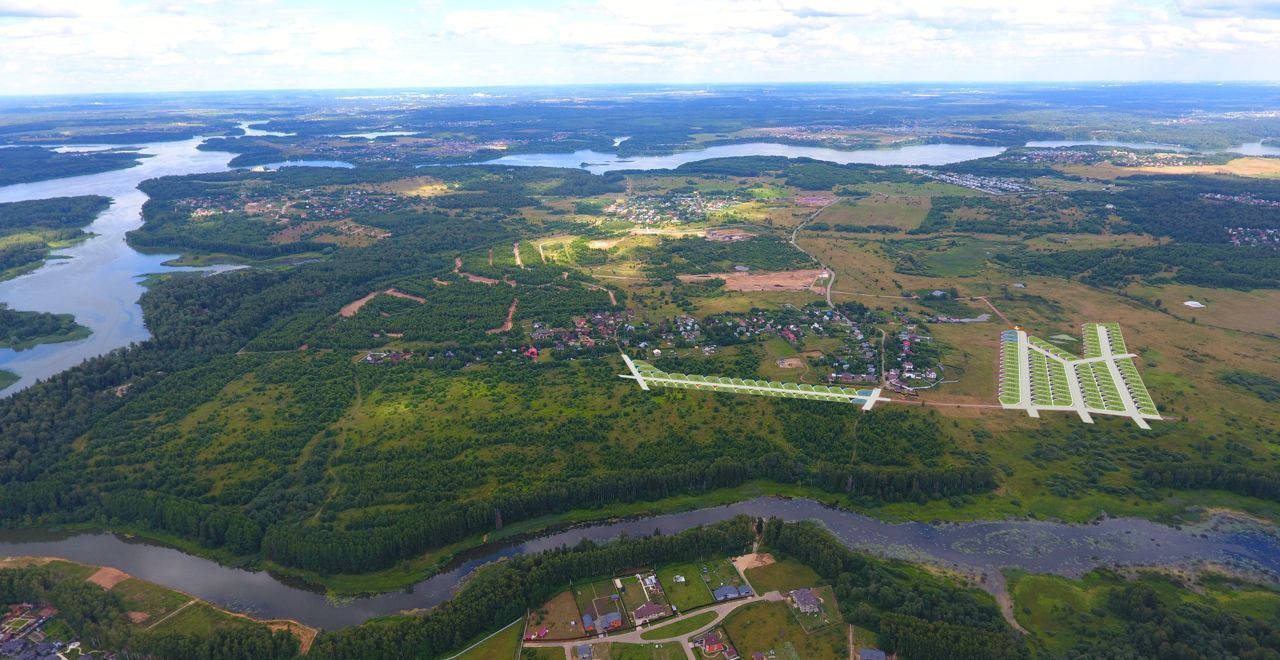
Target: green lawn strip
x=680 y=628
x=669 y=651
x=8 y=378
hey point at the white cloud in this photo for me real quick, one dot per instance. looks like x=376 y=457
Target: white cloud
x=118 y=45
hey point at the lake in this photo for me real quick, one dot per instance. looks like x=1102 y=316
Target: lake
x=980 y=548
x=598 y=162
x=1247 y=149
x=97 y=280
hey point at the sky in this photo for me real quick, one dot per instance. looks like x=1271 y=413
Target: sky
x=93 y=46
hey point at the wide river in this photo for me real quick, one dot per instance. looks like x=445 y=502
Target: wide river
x=979 y=549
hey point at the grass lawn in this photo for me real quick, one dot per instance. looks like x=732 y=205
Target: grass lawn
x=8 y=378
x=768 y=627
x=669 y=651
x=633 y=594
x=542 y=654
x=782 y=576
x=680 y=627
x=505 y=644
x=718 y=573
x=154 y=600
x=199 y=619
x=692 y=593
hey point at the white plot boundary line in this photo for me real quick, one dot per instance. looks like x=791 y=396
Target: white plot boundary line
x=1078 y=404
x=866 y=401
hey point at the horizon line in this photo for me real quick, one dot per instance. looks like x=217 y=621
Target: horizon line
x=650 y=85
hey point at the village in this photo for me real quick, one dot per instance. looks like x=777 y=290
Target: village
x=26 y=633
x=304 y=204
x=992 y=185
x=702 y=606
x=670 y=208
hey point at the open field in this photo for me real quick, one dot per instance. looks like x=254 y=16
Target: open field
x=791 y=280
x=1252 y=311
x=502 y=646
x=1248 y=166
x=769 y=628
x=902 y=212
x=782 y=576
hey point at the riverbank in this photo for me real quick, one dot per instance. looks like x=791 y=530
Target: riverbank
x=155 y=606
x=410 y=572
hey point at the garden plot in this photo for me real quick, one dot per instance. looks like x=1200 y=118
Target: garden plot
x=1035 y=375
x=601 y=606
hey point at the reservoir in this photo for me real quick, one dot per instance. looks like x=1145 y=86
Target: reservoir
x=597 y=162
x=979 y=548
x=97 y=280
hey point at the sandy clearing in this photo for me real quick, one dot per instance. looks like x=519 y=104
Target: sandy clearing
x=25 y=562
x=407 y=296
x=603 y=243
x=752 y=560
x=506 y=325
x=352 y=308
x=107 y=577
x=790 y=280
x=515 y=249
x=137 y=617
x=790 y=363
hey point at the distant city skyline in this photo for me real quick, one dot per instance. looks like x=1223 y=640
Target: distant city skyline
x=79 y=46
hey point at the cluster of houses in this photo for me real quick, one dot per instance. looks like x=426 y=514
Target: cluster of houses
x=670 y=208
x=1254 y=236
x=715 y=643
x=392 y=357
x=21 y=634
x=586 y=332
x=305 y=204
x=605 y=622
x=728 y=235
x=1241 y=199
x=992 y=185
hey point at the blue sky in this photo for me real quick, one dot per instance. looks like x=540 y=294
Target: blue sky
x=70 y=46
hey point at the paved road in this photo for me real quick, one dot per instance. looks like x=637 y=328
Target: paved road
x=721 y=610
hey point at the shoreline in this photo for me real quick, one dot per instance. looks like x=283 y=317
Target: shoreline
x=306 y=634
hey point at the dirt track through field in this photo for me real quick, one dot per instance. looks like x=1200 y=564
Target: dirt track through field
x=515 y=249
x=789 y=280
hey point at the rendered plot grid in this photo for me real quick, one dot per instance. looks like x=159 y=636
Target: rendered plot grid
x=1036 y=375
x=647 y=376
